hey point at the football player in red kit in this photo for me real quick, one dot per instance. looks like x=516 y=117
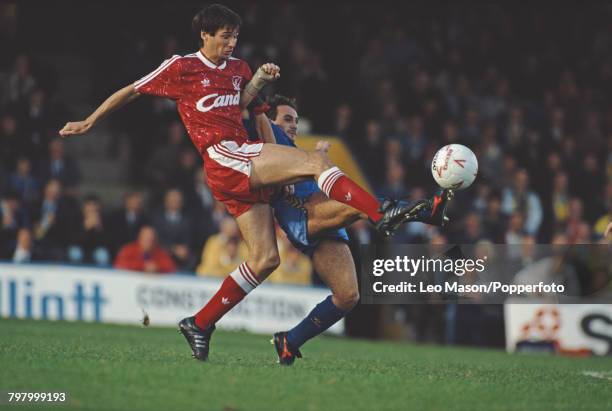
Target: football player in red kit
x=210 y=89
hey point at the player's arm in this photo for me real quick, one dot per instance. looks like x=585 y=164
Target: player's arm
x=114 y=102
x=264 y=129
x=267 y=73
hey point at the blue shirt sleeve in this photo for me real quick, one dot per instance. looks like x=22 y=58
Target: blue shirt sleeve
x=249 y=126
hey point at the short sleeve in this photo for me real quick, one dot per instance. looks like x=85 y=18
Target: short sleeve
x=163 y=81
x=246 y=73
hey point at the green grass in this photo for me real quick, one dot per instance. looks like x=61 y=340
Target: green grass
x=131 y=368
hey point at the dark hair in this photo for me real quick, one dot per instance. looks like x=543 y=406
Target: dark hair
x=278 y=100
x=212 y=18
x=12 y=195
x=91 y=198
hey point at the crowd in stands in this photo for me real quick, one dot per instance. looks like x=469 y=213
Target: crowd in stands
x=529 y=91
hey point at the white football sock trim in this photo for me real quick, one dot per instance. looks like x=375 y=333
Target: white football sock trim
x=243 y=280
x=327 y=179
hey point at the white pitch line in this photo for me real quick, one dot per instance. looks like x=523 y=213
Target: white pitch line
x=605 y=375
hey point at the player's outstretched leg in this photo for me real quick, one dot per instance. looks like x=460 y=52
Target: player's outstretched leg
x=333 y=261
x=325 y=214
x=257 y=228
x=281 y=165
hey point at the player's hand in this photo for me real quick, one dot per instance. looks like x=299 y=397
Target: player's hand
x=323 y=145
x=75 y=128
x=608 y=230
x=268 y=72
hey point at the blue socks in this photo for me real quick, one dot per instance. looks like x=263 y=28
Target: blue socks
x=323 y=316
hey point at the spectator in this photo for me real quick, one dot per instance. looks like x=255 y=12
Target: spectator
x=224 y=251
x=472 y=231
x=414 y=141
x=164 y=162
x=343 y=121
x=515 y=234
x=394 y=186
x=91 y=243
x=12 y=143
x=13 y=217
x=560 y=200
x=520 y=198
x=20 y=81
x=574 y=227
x=509 y=169
x=145 y=255
x=556 y=125
x=393 y=150
x=56 y=220
x=583 y=234
x=60 y=166
x=39 y=122
x=494 y=222
x=26 y=250
x=515 y=130
x=604 y=220
x=481 y=197
x=125 y=223
x=553 y=269
x=450 y=132
x=416 y=232
x=490 y=160
x=188 y=163
x=591 y=180
x=200 y=199
x=200 y=203
x=22 y=181
x=174 y=229
x=372 y=152
x=470 y=132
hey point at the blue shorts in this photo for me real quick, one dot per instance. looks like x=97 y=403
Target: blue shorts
x=294 y=222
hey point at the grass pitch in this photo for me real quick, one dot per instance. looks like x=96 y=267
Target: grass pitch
x=105 y=367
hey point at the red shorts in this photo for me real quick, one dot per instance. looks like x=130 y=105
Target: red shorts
x=228 y=168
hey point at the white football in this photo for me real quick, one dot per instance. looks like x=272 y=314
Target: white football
x=454 y=166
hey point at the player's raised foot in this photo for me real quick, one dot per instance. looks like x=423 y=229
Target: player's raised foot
x=395 y=213
x=197 y=338
x=434 y=210
x=286 y=353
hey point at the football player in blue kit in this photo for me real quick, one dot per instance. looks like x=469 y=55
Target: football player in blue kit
x=315 y=225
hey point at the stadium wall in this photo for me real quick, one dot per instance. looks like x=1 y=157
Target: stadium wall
x=56 y=292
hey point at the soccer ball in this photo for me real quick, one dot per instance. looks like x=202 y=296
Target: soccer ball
x=454 y=166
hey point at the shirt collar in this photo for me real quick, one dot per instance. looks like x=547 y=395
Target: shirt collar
x=209 y=63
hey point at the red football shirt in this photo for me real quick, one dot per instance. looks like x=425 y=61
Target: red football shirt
x=207 y=96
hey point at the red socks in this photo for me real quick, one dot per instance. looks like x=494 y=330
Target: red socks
x=242 y=280
x=336 y=185
x=234 y=288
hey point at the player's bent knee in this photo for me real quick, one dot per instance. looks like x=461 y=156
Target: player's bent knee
x=347 y=300
x=264 y=264
x=272 y=262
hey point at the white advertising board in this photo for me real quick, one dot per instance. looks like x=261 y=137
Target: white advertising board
x=67 y=293
x=570 y=328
